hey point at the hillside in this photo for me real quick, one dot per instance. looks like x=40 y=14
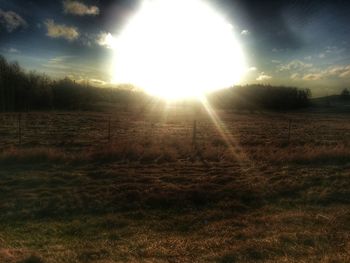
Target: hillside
x=332 y=103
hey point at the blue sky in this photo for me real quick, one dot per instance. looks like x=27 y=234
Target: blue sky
x=303 y=43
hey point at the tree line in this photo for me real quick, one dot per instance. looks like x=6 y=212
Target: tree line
x=259 y=96
x=23 y=91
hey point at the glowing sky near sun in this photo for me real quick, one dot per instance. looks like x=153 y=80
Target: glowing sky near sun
x=302 y=43
x=176 y=49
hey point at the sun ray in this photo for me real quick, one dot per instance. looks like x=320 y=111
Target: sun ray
x=234 y=148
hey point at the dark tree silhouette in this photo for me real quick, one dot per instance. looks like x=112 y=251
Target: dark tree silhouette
x=252 y=97
x=345 y=94
x=21 y=91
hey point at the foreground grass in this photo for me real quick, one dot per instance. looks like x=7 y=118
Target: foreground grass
x=268 y=235
x=156 y=198
x=188 y=212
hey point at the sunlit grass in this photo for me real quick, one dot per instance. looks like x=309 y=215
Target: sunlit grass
x=150 y=194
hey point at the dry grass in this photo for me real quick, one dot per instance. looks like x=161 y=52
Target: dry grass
x=176 y=213
x=165 y=152
x=150 y=196
x=167 y=137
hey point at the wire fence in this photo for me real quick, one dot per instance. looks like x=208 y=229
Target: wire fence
x=76 y=130
x=79 y=130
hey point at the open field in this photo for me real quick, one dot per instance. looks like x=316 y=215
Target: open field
x=250 y=190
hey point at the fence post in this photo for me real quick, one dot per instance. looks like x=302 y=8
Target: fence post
x=19 y=129
x=289 y=130
x=194 y=136
x=109 y=129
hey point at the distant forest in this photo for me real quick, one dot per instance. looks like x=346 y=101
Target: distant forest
x=258 y=96
x=22 y=91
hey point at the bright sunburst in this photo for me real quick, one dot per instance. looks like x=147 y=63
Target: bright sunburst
x=178 y=49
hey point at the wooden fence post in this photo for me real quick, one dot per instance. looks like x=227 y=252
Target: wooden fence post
x=109 y=129
x=194 y=135
x=289 y=130
x=19 y=129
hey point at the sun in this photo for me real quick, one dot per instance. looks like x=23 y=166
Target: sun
x=177 y=49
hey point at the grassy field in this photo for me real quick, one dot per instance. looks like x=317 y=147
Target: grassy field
x=250 y=190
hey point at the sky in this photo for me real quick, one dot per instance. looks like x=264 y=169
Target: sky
x=303 y=43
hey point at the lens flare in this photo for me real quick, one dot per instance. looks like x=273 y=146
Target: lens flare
x=177 y=49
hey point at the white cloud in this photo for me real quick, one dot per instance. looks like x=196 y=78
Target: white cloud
x=245 y=32
x=59 y=63
x=313 y=76
x=106 y=40
x=91 y=81
x=318 y=74
x=345 y=74
x=79 y=8
x=11 y=20
x=61 y=31
x=263 y=77
x=59 y=60
x=294 y=65
x=334 y=50
x=308 y=57
x=276 y=50
x=98 y=82
x=331 y=49
x=295 y=76
x=322 y=55
x=339 y=71
x=70 y=66
x=299 y=70
x=13 y=50
x=252 y=69
x=87 y=39
x=336 y=71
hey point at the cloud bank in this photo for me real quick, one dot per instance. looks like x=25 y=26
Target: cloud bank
x=245 y=32
x=61 y=31
x=337 y=71
x=263 y=77
x=106 y=40
x=294 y=65
x=80 y=9
x=11 y=20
